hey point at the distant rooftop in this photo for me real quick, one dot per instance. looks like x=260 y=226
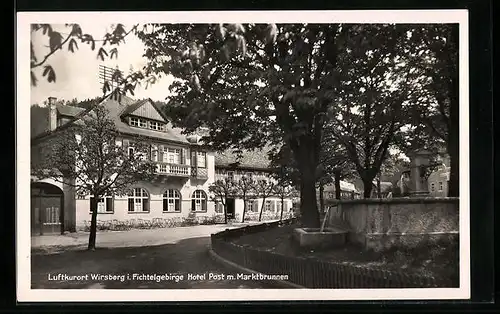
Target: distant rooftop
x=255 y=159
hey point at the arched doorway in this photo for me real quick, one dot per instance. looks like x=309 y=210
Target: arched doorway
x=47 y=212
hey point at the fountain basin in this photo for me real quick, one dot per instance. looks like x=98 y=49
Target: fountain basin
x=314 y=238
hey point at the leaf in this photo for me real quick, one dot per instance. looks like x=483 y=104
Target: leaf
x=102 y=53
x=49 y=72
x=72 y=44
x=119 y=30
x=242 y=45
x=195 y=82
x=239 y=28
x=46 y=29
x=271 y=33
x=113 y=52
x=221 y=31
x=55 y=40
x=76 y=30
x=89 y=39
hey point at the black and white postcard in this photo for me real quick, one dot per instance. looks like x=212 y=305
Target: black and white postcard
x=240 y=156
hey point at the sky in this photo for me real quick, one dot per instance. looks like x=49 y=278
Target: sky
x=77 y=73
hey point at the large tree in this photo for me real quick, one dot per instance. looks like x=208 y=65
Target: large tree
x=86 y=154
x=435 y=56
x=252 y=85
x=375 y=86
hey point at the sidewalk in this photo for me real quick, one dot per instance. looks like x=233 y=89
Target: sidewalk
x=135 y=237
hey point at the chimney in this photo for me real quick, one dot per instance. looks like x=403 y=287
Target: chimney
x=52 y=114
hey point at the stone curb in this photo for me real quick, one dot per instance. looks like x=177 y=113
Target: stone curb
x=225 y=262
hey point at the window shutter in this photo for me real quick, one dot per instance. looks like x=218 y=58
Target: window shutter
x=160 y=153
x=193 y=205
x=193 y=158
x=206 y=159
x=131 y=204
x=183 y=156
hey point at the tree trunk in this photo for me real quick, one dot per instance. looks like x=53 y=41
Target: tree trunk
x=225 y=212
x=282 y=204
x=379 y=191
x=244 y=208
x=308 y=206
x=337 y=185
x=93 y=223
x=262 y=208
x=367 y=187
x=321 y=198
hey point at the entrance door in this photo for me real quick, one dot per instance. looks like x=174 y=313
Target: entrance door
x=46 y=209
x=230 y=208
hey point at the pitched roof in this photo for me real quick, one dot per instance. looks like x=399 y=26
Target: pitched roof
x=116 y=110
x=69 y=111
x=254 y=159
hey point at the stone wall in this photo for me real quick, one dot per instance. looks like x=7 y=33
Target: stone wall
x=385 y=223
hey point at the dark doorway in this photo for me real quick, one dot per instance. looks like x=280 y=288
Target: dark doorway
x=230 y=208
x=47 y=214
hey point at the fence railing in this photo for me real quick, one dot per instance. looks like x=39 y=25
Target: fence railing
x=311 y=273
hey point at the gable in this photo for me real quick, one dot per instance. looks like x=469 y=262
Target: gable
x=149 y=111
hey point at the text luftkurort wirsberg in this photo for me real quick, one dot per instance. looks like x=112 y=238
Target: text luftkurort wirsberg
x=163 y=277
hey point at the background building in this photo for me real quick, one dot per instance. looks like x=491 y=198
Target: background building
x=180 y=188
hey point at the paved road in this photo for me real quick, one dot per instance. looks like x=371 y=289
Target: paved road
x=131 y=238
x=185 y=254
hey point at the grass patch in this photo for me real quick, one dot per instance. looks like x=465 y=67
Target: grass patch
x=440 y=260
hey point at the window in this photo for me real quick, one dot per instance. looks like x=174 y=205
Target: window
x=143 y=123
x=249 y=174
x=104 y=204
x=268 y=206
x=230 y=175
x=172 y=156
x=201 y=159
x=172 y=201
x=199 y=201
x=138 y=200
x=153 y=125
x=134 y=121
x=278 y=206
x=219 y=208
x=440 y=186
x=433 y=187
x=251 y=206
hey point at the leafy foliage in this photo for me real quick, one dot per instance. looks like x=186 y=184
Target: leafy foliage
x=74 y=34
x=275 y=80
